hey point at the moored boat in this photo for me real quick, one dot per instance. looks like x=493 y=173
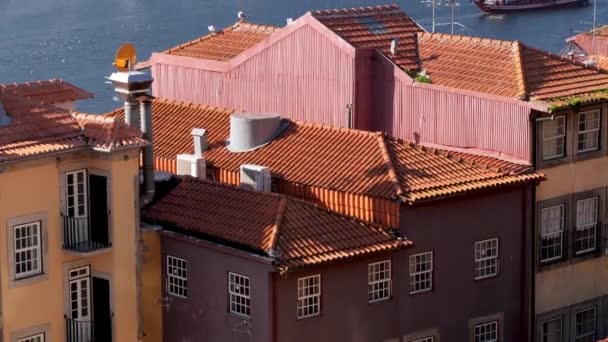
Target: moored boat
x=506 y=6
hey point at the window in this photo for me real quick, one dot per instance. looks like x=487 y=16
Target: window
x=177 y=276
x=76 y=193
x=486 y=258
x=486 y=332
x=551 y=330
x=379 y=281
x=309 y=296
x=554 y=138
x=28 y=257
x=34 y=338
x=421 y=272
x=80 y=293
x=584 y=325
x=552 y=233
x=238 y=289
x=586 y=223
x=588 y=131
x=425 y=339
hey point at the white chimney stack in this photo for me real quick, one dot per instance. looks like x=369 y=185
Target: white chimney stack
x=199 y=137
x=394 y=45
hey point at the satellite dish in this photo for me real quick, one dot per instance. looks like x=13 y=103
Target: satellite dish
x=125 y=57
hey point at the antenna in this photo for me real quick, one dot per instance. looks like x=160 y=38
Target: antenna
x=125 y=57
x=448 y=3
x=593 y=30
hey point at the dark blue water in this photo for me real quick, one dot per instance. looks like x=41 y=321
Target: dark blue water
x=76 y=39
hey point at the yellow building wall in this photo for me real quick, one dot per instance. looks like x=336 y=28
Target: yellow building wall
x=575 y=282
x=33 y=187
x=151 y=286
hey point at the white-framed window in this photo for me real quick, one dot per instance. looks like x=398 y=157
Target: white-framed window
x=584 y=325
x=486 y=332
x=238 y=290
x=177 y=276
x=486 y=258
x=425 y=339
x=421 y=272
x=554 y=138
x=33 y=338
x=586 y=224
x=552 y=330
x=379 y=281
x=80 y=293
x=552 y=233
x=588 y=131
x=28 y=249
x=76 y=193
x=309 y=296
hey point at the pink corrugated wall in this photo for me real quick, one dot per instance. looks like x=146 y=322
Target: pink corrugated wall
x=601 y=44
x=303 y=76
x=436 y=115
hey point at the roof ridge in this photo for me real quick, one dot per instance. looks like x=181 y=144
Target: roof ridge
x=332 y=127
x=274 y=237
x=458 y=37
x=386 y=155
x=357 y=10
x=520 y=70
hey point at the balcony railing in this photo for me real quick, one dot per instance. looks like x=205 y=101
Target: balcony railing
x=79 y=237
x=88 y=331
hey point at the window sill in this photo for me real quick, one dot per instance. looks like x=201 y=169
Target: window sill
x=592 y=154
x=89 y=253
x=28 y=280
x=379 y=301
x=420 y=292
x=240 y=316
x=486 y=277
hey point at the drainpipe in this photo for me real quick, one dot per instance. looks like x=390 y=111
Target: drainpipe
x=145 y=107
x=349 y=107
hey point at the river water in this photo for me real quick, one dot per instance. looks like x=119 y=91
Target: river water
x=76 y=39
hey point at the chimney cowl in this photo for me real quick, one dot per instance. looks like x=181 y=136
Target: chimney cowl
x=250 y=131
x=199 y=137
x=131 y=83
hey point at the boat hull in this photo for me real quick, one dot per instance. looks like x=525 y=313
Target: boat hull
x=492 y=8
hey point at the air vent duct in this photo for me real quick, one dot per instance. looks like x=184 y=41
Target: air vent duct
x=249 y=131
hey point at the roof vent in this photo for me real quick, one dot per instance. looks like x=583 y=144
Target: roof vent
x=249 y=131
x=4 y=118
x=255 y=177
x=191 y=165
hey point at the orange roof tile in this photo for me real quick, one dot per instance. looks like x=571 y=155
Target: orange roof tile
x=600 y=31
x=109 y=134
x=293 y=232
x=37 y=128
x=375 y=27
x=505 y=68
x=346 y=160
x=49 y=92
x=224 y=45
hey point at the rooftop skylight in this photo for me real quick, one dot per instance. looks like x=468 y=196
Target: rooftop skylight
x=372 y=25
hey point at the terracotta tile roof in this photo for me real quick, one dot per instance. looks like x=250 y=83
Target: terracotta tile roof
x=599 y=32
x=375 y=27
x=109 y=134
x=346 y=160
x=49 y=92
x=224 y=45
x=37 y=128
x=505 y=68
x=293 y=232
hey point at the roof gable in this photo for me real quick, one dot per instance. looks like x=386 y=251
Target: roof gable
x=375 y=27
x=49 y=92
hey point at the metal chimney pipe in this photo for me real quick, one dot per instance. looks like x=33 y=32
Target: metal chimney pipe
x=132 y=112
x=145 y=108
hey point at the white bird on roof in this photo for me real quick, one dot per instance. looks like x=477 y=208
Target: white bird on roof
x=241 y=15
x=211 y=28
